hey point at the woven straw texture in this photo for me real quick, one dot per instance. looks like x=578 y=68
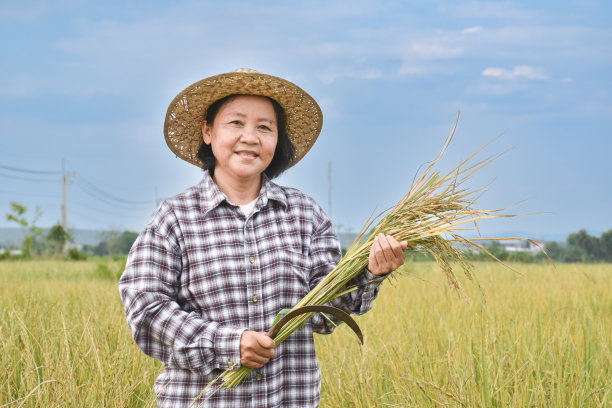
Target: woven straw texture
x=183 y=125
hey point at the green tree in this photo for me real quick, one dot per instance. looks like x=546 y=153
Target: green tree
x=588 y=243
x=32 y=233
x=606 y=246
x=116 y=243
x=574 y=253
x=554 y=249
x=123 y=243
x=101 y=249
x=57 y=238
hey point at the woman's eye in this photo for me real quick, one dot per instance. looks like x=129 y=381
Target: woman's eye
x=235 y=122
x=264 y=127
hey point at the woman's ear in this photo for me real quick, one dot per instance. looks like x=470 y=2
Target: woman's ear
x=206 y=132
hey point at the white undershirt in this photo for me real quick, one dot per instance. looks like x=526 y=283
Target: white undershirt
x=247 y=208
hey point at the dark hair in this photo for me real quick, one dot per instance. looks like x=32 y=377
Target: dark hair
x=283 y=155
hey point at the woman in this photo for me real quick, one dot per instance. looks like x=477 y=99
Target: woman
x=216 y=263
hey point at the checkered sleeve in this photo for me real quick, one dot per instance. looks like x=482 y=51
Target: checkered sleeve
x=325 y=253
x=160 y=327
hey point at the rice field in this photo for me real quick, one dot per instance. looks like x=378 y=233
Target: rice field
x=539 y=339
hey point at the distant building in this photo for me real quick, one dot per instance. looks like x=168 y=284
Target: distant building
x=510 y=245
x=516 y=245
x=12 y=251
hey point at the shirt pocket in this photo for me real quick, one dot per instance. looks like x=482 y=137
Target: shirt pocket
x=292 y=272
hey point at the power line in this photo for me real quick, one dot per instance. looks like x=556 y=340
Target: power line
x=86 y=186
x=94 y=221
x=92 y=187
x=28 y=179
x=26 y=194
x=87 y=219
x=106 y=211
x=28 y=170
x=102 y=198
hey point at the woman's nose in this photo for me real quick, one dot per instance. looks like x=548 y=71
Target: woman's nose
x=248 y=135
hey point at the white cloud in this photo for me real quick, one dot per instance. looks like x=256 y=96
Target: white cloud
x=520 y=71
x=409 y=69
x=471 y=30
x=496 y=88
x=420 y=56
x=331 y=74
x=435 y=50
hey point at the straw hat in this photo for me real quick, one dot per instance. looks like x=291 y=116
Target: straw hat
x=183 y=125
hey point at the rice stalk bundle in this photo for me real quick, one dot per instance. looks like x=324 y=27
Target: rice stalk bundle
x=430 y=218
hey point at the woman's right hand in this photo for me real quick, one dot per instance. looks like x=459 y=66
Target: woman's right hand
x=256 y=349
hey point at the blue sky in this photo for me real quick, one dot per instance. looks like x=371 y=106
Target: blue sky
x=89 y=83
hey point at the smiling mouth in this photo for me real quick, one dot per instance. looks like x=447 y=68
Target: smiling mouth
x=246 y=154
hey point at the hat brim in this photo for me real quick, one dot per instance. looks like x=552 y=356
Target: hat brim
x=183 y=124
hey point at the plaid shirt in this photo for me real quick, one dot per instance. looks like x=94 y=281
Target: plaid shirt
x=201 y=273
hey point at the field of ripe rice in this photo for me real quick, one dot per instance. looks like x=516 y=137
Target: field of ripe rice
x=541 y=339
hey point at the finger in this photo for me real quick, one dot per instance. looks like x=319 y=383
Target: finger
x=265 y=345
x=265 y=341
x=373 y=262
x=256 y=351
x=396 y=247
x=393 y=252
x=377 y=262
x=379 y=256
x=251 y=358
x=251 y=352
x=397 y=252
x=254 y=361
x=386 y=250
x=264 y=352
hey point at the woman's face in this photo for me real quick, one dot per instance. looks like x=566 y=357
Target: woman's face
x=243 y=138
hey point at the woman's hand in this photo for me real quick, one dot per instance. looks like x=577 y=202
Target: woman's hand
x=386 y=254
x=256 y=349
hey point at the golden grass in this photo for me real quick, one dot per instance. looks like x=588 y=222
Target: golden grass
x=543 y=339
x=64 y=341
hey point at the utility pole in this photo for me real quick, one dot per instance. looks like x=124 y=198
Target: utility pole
x=65 y=181
x=329 y=192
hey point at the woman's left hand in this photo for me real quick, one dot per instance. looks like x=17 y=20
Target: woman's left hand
x=386 y=254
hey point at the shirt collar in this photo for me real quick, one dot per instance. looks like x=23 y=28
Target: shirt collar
x=211 y=196
x=271 y=191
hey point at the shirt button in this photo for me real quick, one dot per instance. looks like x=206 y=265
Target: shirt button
x=252 y=260
x=258 y=377
x=247 y=224
x=255 y=298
